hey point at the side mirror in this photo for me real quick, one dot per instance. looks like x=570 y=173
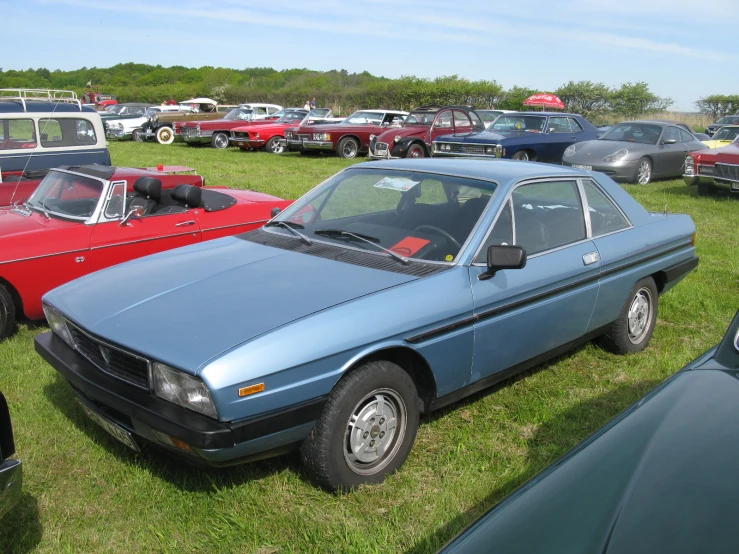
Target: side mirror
x=503 y=257
x=599 y=134
x=669 y=141
x=275 y=211
x=134 y=212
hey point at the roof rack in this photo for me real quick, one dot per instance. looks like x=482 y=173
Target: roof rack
x=24 y=95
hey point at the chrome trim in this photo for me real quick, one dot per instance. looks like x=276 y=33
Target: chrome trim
x=148 y=239
x=235 y=225
x=585 y=208
x=110 y=196
x=317 y=145
x=44 y=256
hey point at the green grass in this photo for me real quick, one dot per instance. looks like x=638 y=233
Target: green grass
x=84 y=492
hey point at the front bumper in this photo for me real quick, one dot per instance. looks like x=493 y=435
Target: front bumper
x=248 y=143
x=148 y=418
x=382 y=153
x=118 y=134
x=623 y=170
x=11 y=484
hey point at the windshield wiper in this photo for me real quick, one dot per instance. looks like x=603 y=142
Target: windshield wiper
x=291 y=226
x=41 y=207
x=374 y=241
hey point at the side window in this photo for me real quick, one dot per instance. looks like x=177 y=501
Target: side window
x=502 y=233
x=116 y=201
x=261 y=111
x=461 y=121
x=57 y=133
x=559 y=125
x=604 y=216
x=685 y=136
x=476 y=121
x=547 y=215
x=17 y=133
x=444 y=120
x=671 y=133
x=575 y=126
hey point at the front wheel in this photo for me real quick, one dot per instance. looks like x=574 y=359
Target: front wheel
x=348 y=148
x=165 y=135
x=219 y=140
x=7 y=313
x=366 y=430
x=522 y=156
x=630 y=333
x=643 y=173
x=138 y=136
x=275 y=145
x=416 y=151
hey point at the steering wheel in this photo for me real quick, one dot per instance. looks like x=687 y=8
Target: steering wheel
x=442 y=232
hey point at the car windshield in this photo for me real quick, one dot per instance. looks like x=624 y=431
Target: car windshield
x=319 y=112
x=116 y=109
x=151 y=111
x=420 y=118
x=363 y=118
x=238 y=114
x=414 y=215
x=488 y=115
x=730 y=119
x=291 y=117
x=66 y=195
x=642 y=133
x=529 y=123
x=726 y=133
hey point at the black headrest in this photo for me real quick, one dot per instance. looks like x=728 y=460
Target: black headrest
x=150 y=187
x=188 y=194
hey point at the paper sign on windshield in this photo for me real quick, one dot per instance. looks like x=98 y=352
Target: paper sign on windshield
x=400 y=184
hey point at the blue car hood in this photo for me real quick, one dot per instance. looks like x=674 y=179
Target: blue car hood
x=483 y=137
x=188 y=305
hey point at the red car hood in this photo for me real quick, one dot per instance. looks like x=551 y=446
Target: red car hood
x=389 y=135
x=26 y=236
x=728 y=154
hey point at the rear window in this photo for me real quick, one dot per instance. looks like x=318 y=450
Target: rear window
x=17 y=133
x=57 y=133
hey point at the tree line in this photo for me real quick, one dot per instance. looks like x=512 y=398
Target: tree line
x=344 y=91
x=719 y=105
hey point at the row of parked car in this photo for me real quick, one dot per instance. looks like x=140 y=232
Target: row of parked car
x=394 y=288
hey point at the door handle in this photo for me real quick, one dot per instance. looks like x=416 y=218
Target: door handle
x=590 y=258
x=185 y=223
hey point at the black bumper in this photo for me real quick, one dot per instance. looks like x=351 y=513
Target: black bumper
x=675 y=272
x=195 y=429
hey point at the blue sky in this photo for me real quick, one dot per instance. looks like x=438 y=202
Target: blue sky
x=682 y=48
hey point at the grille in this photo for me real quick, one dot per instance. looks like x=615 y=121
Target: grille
x=112 y=360
x=476 y=149
x=189 y=131
x=381 y=146
x=303 y=136
x=730 y=172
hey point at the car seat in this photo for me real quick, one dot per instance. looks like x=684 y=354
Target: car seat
x=149 y=192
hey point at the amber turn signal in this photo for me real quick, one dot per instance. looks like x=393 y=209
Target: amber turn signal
x=251 y=389
x=692 y=240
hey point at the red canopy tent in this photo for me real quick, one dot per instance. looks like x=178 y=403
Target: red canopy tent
x=545 y=101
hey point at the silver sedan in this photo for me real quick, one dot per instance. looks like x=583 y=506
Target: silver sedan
x=636 y=151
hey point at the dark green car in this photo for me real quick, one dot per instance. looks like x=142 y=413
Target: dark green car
x=662 y=477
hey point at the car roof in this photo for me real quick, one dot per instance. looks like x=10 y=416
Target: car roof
x=383 y=111
x=498 y=170
x=42 y=107
x=549 y=113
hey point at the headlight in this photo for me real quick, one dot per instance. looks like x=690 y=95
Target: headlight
x=397 y=138
x=373 y=137
x=288 y=134
x=616 y=156
x=321 y=136
x=197 y=129
x=58 y=324
x=690 y=165
x=489 y=150
x=180 y=388
x=570 y=151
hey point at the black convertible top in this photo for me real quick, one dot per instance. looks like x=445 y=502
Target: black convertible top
x=93 y=170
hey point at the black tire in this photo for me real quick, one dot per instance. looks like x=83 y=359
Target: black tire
x=329 y=453
x=348 y=148
x=165 y=135
x=643 y=172
x=274 y=146
x=628 y=337
x=7 y=313
x=219 y=140
x=706 y=189
x=137 y=135
x=521 y=155
x=415 y=151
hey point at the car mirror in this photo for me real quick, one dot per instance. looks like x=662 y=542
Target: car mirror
x=275 y=211
x=669 y=141
x=503 y=257
x=598 y=135
x=138 y=211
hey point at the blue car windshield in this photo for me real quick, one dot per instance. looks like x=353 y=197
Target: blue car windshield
x=529 y=123
x=415 y=215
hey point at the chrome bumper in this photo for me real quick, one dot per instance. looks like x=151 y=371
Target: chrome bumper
x=121 y=134
x=251 y=143
x=11 y=483
x=382 y=155
x=194 y=139
x=317 y=145
x=691 y=179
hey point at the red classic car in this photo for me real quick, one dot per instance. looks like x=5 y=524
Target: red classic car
x=348 y=138
x=86 y=218
x=713 y=169
x=270 y=135
x=215 y=131
x=421 y=127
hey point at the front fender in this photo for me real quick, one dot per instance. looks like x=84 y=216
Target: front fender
x=401 y=147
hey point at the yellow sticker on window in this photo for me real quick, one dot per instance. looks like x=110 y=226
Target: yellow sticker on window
x=449 y=257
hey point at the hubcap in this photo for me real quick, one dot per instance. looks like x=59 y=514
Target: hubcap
x=221 y=141
x=639 y=315
x=416 y=153
x=165 y=135
x=644 y=173
x=350 y=149
x=375 y=431
x=276 y=148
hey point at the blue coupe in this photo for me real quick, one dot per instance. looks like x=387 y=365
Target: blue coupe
x=392 y=289
x=527 y=136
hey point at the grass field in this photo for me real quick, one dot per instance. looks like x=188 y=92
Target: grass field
x=83 y=492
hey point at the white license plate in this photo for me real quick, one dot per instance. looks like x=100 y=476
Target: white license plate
x=112 y=428
x=586 y=167
x=735 y=187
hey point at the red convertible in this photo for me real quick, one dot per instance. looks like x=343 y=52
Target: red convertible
x=714 y=169
x=269 y=135
x=215 y=131
x=86 y=218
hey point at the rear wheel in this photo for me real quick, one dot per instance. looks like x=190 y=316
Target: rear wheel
x=366 y=430
x=643 y=172
x=416 y=151
x=165 y=135
x=7 y=313
x=275 y=146
x=348 y=148
x=219 y=140
x=631 y=332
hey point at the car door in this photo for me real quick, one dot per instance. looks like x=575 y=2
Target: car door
x=672 y=153
x=524 y=313
x=114 y=242
x=443 y=125
x=560 y=135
